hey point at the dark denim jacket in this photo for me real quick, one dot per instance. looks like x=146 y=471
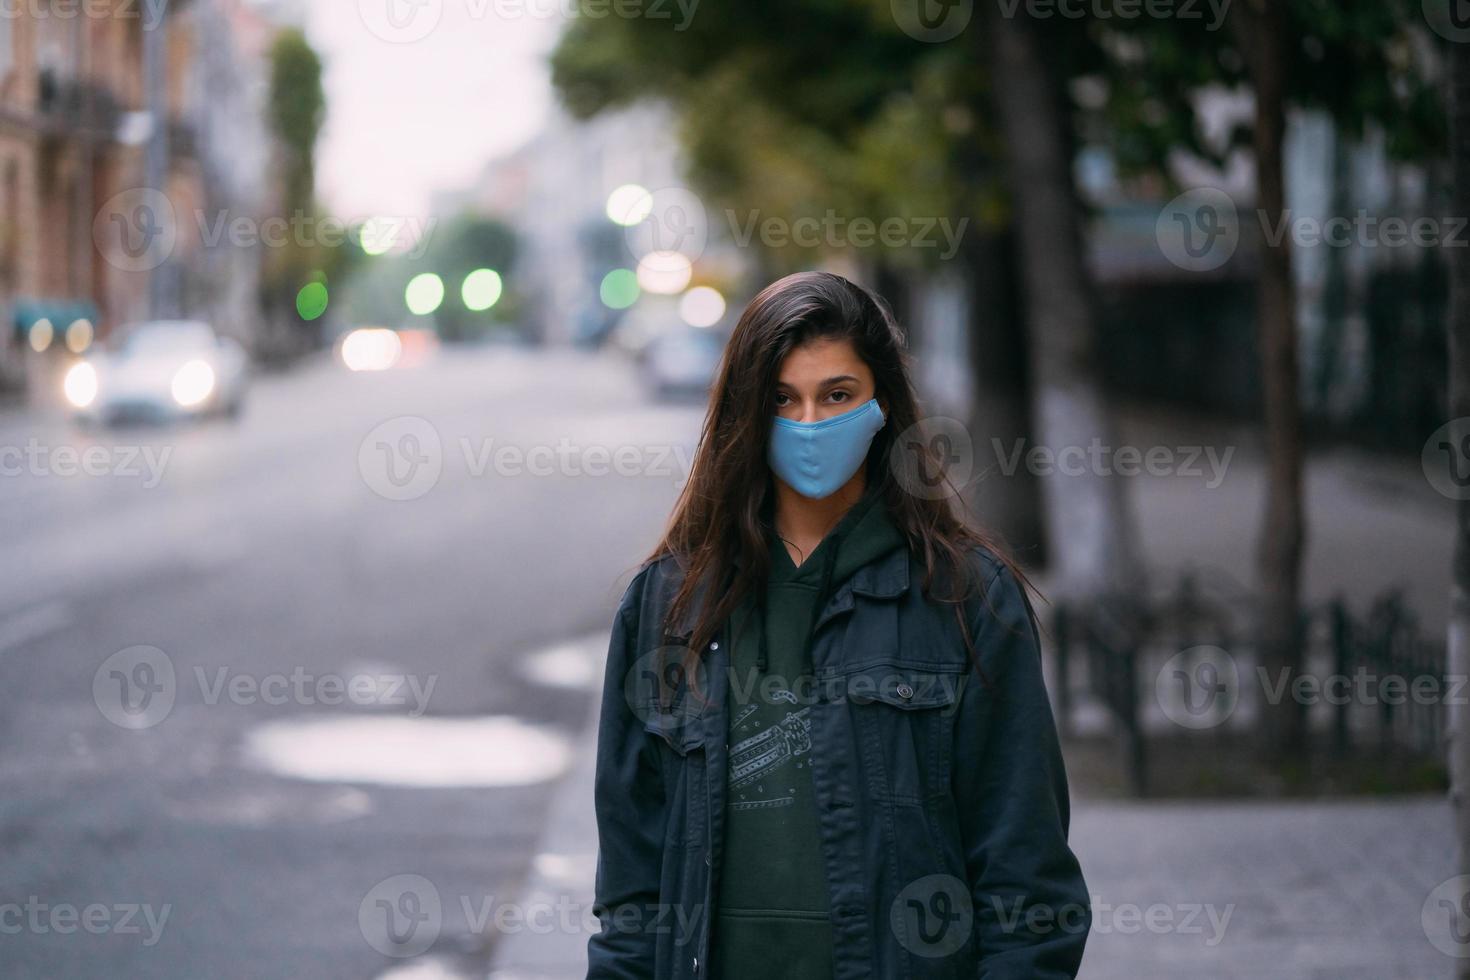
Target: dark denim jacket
x=942 y=797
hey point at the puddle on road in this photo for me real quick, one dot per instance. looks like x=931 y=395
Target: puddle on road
x=396 y=751
x=568 y=665
x=429 y=969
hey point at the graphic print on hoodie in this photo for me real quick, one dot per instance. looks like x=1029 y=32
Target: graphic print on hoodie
x=772 y=911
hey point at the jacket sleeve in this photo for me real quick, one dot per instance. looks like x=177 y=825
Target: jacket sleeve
x=629 y=802
x=1031 y=905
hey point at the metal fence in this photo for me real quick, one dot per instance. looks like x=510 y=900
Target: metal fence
x=1185 y=661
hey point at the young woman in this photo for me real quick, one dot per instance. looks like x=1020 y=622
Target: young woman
x=825 y=748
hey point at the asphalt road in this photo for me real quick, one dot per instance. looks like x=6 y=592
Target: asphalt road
x=252 y=673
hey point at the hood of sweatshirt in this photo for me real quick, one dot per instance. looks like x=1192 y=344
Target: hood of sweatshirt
x=864 y=534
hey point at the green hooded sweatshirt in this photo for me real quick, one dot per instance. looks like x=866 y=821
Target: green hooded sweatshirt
x=772 y=917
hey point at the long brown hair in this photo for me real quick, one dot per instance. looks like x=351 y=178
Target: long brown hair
x=724 y=512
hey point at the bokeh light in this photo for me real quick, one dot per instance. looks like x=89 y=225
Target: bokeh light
x=371 y=349
x=664 y=272
x=424 y=294
x=80 y=384
x=311 y=301
x=629 y=204
x=702 y=306
x=79 y=335
x=482 y=289
x=41 y=334
x=619 y=289
x=192 y=383
x=377 y=236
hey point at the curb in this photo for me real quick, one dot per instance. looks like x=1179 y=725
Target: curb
x=565 y=863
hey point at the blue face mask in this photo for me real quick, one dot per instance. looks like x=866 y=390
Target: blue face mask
x=816 y=459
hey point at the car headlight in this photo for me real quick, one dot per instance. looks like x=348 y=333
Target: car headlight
x=80 y=384
x=192 y=384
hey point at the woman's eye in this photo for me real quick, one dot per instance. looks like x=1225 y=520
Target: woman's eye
x=781 y=401
x=840 y=396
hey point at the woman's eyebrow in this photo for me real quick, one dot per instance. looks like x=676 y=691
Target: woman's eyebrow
x=824 y=383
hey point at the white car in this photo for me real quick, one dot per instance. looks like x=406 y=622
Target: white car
x=159 y=370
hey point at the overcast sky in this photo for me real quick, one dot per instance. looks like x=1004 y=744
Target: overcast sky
x=421 y=93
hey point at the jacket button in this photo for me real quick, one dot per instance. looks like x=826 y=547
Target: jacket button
x=905 y=692
x=696 y=964
x=714 y=644
x=708 y=860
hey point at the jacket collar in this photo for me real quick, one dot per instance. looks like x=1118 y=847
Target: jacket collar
x=882 y=578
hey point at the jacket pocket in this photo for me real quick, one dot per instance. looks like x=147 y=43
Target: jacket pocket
x=685 y=773
x=903 y=716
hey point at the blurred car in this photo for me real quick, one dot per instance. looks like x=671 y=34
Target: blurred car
x=682 y=362
x=159 y=370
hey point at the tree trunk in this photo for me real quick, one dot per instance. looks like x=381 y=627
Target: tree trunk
x=1088 y=520
x=1262 y=29
x=1459 y=342
x=1008 y=504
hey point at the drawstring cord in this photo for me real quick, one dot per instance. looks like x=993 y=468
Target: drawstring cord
x=829 y=563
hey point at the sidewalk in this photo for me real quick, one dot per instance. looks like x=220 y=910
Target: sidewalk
x=1328 y=890
x=566 y=860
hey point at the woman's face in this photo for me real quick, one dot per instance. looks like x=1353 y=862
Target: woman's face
x=822 y=378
